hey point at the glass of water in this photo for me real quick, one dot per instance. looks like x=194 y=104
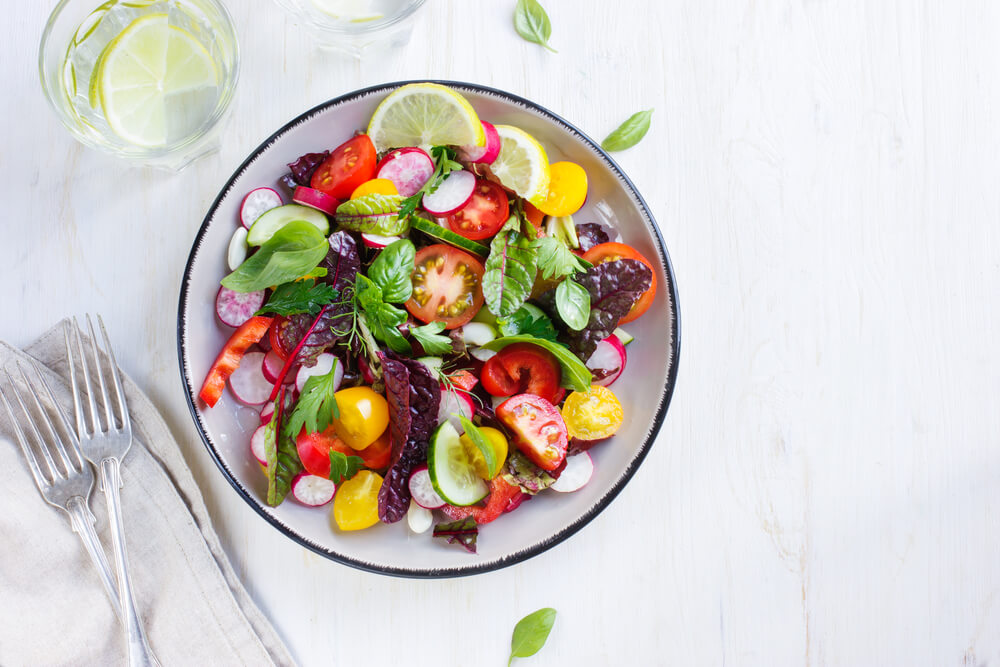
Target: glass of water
x=146 y=80
x=354 y=27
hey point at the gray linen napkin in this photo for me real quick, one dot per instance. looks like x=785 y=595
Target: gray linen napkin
x=53 y=609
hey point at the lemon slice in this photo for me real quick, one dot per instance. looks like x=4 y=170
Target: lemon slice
x=156 y=82
x=425 y=114
x=522 y=164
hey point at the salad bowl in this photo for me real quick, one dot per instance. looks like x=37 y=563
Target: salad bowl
x=644 y=389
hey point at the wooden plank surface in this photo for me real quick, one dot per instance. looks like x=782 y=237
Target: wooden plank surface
x=823 y=491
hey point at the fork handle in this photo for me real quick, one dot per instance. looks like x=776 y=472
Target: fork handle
x=83 y=525
x=139 y=652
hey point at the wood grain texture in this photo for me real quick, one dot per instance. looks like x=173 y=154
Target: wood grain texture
x=823 y=491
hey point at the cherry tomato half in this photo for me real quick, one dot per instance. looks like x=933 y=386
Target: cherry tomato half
x=594 y=414
x=522 y=368
x=348 y=166
x=355 y=507
x=376 y=186
x=447 y=286
x=275 y=338
x=538 y=428
x=567 y=189
x=364 y=415
x=314 y=451
x=485 y=213
x=609 y=252
x=502 y=498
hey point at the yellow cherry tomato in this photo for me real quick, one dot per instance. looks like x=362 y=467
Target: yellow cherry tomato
x=567 y=189
x=499 y=446
x=364 y=415
x=355 y=507
x=376 y=186
x=593 y=414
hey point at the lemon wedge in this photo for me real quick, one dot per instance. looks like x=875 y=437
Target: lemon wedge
x=425 y=114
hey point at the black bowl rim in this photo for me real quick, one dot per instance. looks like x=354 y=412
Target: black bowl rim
x=510 y=559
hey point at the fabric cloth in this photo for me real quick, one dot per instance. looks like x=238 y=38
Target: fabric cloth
x=53 y=608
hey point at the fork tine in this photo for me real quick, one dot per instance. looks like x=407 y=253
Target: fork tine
x=54 y=472
x=40 y=481
x=115 y=377
x=92 y=404
x=54 y=441
x=111 y=424
x=77 y=405
x=74 y=443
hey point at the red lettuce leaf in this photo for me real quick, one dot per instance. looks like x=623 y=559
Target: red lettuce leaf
x=304 y=168
x=590 y=234
x=464 y=532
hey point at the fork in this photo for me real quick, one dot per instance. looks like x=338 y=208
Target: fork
x=68 y=486
x=105 y=445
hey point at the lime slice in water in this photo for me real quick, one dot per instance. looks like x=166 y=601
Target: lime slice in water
x=156 y=82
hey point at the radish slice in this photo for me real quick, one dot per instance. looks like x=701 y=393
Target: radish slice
x=419 y=519
x=407 y=168
x=576 y=474
x=235 y=308
x=422 y=490
x=324 y=364
x=256 y=203
x=266 y=413
x=257 y=445
x=379 y=242
x=608 y=361
x=484 y=154
x=236 y=254
x=248 y=383
x=454 y=192
x=312 y=490
x=454 y=403
x=315 y=199
x=273 y=363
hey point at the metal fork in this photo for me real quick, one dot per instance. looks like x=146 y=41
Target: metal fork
x=105 y=445
x=66 y=486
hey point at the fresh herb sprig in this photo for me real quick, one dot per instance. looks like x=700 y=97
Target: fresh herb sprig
x=430 y=338
x=444 y=164
x=317 y=405
x=303 y=296
x=556 y=261
x=343 y=467
x=531 y=633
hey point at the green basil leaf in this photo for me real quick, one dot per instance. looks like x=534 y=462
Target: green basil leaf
x=343 y=467
x=293 y=251
x=532 y=23
x=628 y=133
x=430 y=338
x=575 y=374
x=530 y=633
x=368 y=294
x=373 y=214
x=392 y=269
x=573 y=304
x=482 y=443
x=510 y=271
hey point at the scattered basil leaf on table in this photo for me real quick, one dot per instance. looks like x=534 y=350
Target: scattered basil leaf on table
x=343 y=467
x=530 y=633
x=430 y=338
x=317 y=406
x=302 y=296
x=532 y=23
x=391 y=271
x=573 y=304
x=510 y=270
x=628 y=133
x=293 y=251
x=479 y=439
x=575 y=374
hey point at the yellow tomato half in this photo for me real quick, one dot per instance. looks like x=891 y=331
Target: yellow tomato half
x=499 y=445
x=567 y=189
x=355 y=507
x=593 y=414
x=376 y=186
x=364 y=415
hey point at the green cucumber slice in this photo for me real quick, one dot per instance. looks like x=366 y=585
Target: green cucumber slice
x=433 y=364
x=451 y=238
x=478 y=333
x=451 y=471
x=623 y=336
x=271 y=221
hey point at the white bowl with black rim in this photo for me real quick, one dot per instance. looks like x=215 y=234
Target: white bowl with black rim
x=644 y=389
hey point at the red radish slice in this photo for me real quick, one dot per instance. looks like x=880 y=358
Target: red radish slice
x=454 y=192
x=273 y=363
x=324 y=364
x=266 y=413
x=608 y=361
x=407 y=168
x=419 y=519
x=248 y=383
x=454 y=403
x=312 y=490
x=484 y=154
x=378 y=242
x=256 y=203
x=257 y=446
x=578 y=471
x=422 y=490
x=235 y=308
x=315 y=199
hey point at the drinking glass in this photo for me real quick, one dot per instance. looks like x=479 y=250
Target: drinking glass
x=354 y=27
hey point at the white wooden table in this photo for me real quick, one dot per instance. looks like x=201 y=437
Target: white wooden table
x=825 y=488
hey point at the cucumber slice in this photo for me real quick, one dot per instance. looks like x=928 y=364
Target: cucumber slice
x=623 y=336
x=433 y=364
x=271 y=221
x=451 y=238
x=478 y=333
x=452 y=473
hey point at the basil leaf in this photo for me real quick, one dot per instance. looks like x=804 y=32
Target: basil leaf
x=628 y=133
x=373 y=214
x=575 y=374
x=293 y=251
x=510 y=271
x=481 y=442
x=532 y=23
x=343 y=467
x=573 y=304
x=382 y=318
x=430 y=338
x=391 y=271
x=530 y=633
x=301 y=296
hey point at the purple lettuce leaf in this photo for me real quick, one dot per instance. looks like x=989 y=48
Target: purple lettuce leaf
x=303 y=168
x=520 y=471
x=590 y=234
x=464 y=532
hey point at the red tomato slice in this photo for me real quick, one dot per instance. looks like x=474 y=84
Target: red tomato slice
x=314 y=451
x=522 y=368
x=447 y=286
x=348 y=166
x=609 y=252
x=485 y=213
x=229 y=357
x=274 y=336
x=503 y=494
x=539 y=430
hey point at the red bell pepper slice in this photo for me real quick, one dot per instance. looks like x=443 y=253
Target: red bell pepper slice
x=229 y=358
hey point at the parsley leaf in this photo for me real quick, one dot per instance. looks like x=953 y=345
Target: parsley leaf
x=317 y=405
x=555 y=260
x=343 y=467
x=430 y=338
x=303 y=296
x=526 y=321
